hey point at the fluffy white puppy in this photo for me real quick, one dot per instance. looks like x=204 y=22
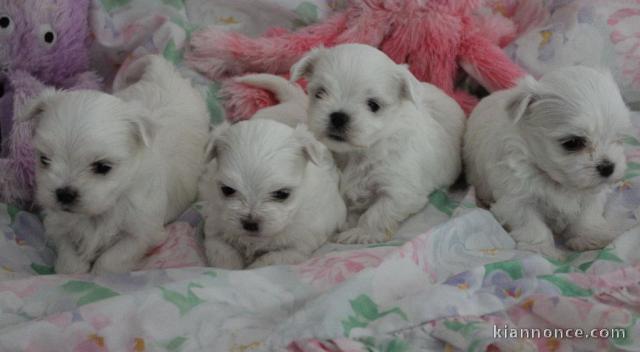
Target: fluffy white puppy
x=113 y=169
x=273 y=195
x=544 y=154
x=396 y=140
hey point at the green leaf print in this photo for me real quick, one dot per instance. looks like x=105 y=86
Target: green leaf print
x=13 y=212
x=462 y=328
x=442 y=202
x=397 y=346
x=210 y=273
x=175 y=344
x=512 y=268
x=566 y=287
x=216 y=113
x=42 y=269
x=604 y=254
x=633 y=170
x=110 y=5
x=178 y=4
x=366 y=311
x=307 y=13
x=184 y=302
x=88 y=292
x=172 y=54
x=631 y=140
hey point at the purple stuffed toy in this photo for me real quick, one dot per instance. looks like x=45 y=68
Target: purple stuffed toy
x=42 y=43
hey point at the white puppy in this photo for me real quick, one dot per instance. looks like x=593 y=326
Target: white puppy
x=544 y=154
x=114 y=169
x=273 y=195
x=396 y=140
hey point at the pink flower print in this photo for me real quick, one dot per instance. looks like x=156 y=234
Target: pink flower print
x=334 y=268
x=181 y=249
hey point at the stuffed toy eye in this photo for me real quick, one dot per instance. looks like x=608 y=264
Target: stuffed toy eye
x=47 y=35
x=6 y=24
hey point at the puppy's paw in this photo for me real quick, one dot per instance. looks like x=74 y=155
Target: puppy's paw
x=224 y=258
x=586 y=243
x=285 y=257
x=546 y=249
x=358 y=235
x=66 y=264
x=105 y=265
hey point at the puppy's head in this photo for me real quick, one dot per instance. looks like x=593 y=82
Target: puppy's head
x=88 y=149
x=259 y=175
x=355 y=94
x=574 y=122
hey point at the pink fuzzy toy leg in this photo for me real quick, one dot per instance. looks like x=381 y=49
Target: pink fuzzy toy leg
x=489 y=65
x=219 y=54
x=242 y=101
x=467 y=101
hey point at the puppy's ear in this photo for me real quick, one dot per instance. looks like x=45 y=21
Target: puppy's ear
x=527 y=94
x=409 y=86
x=305 y=67
x=211 y=149
x=312 y=150
x=142 y=125
x=32 y=111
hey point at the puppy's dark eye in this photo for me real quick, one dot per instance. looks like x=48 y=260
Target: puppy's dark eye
x=101 y=168
x=5 y=22
x=320 y=93
x=281 y=194
x=44 y=161
x=373 y=105
x=574 y=143
x=227 y=191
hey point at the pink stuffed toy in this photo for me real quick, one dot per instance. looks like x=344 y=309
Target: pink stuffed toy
x=42 y=43
x=434 y=37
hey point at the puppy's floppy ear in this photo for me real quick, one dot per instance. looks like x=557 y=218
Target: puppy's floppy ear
x=211 y=149
x=312 y=150
x=305 y=67
x=527 y=94
x=409 y=85
x=32 y=111
x=142 y=124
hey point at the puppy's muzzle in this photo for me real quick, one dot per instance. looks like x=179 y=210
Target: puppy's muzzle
x=250 y=225
x=66 y=196
x=606 y=168
x=338 y=125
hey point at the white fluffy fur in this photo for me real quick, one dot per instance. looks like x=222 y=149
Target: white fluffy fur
x=515 y=159
x=392 y=159
x=257 y=158
x=153 y=134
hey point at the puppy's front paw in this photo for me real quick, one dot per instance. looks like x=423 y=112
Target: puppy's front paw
x=66 y=264
x=224 y=258
x=104 y=265
x=285 y=257
x=358 y=235
x=547 y=249
x=586 y=243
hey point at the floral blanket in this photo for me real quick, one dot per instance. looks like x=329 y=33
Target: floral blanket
x=450 y=280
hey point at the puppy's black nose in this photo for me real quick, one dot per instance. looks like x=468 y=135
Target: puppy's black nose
x=606 y=168
x=66 y=195
x=339 y=120
x=250 y=225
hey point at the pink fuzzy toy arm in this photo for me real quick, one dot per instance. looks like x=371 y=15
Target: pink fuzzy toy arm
x=488 y=64
x=219 y=54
